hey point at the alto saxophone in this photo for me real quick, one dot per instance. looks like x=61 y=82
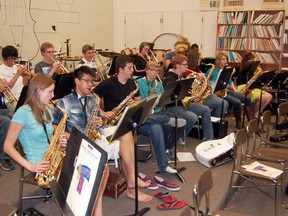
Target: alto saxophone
x=119 y=109
x=54 y=154
x=90 y=130
x=244 y=89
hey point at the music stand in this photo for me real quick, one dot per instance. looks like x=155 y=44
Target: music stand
x=132 y=117
x=64 y=84
x=264 y=78
x=176 y=91
x=221 y=84
x=61 y=188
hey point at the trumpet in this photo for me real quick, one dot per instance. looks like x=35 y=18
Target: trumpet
x=62 y=69
x=27 y=73
x=8 y=94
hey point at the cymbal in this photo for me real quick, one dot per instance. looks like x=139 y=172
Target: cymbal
x=108 y=54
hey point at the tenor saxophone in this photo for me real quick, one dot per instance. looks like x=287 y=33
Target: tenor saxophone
x=90 y=130
x=120 y=108
x=54 y=154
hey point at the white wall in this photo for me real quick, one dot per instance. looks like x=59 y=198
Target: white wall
x=122 y=7
x=85 y=21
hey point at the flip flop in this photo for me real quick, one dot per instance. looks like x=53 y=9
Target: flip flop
x=170 y=206
x=166 y=197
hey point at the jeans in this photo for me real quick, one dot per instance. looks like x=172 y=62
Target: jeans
x=4 y=125
x=235 y=99
x=215 y=103
x=190 y=117
x=204 y=112
x=162 y=135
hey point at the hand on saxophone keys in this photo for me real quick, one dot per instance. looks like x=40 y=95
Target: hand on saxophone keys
x=40 y=167
x=108 y=115
x=97 y=121
x=63 y=140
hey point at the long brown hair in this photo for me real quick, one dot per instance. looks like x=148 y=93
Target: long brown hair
x=39 y=110
x=193 y=60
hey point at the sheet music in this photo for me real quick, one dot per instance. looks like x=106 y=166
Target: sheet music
x=262 y=169
x=84 y=175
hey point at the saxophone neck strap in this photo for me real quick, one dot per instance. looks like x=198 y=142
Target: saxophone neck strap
x=45 y=129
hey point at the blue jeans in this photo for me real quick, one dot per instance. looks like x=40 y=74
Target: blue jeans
x=235 y=99
x=204 y=112
x=190 y=117
x=215 y=103
x=4 y=125
x=162 y=135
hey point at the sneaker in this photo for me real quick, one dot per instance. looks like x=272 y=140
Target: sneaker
x=171 y=156
x=170 y=170
x=153 y=184
x=165 y=184
x=181 y=141
x=6 y=165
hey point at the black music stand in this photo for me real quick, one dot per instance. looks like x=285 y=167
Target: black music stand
x=61 y=188
x=176 y=91
x=132 y=117
x=64 y=84
x=221 y=84
x=260 y=82
x=245 y=74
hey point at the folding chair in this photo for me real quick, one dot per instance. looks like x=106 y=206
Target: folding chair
x=7 y=210
x=281 y=118
x=251 y=176
x=30 y=179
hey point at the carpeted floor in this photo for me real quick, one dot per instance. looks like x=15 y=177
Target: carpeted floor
x=248 y=201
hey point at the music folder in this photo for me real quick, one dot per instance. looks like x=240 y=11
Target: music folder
x=223 y=79
x=81 y=175
x=248 y=69
x=64 y=84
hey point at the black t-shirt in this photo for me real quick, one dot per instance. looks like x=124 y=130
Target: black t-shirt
x=171 y=76
x=114 y=92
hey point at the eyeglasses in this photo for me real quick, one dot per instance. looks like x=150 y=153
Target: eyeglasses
x=52 y=51
x=87 y=81
x=184 y=64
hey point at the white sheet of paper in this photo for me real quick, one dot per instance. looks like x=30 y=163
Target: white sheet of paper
x=83 y=178
x=185 y=156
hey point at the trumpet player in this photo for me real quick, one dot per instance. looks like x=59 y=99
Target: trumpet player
x=13 y=75
x=48 y=66
x=88 y=58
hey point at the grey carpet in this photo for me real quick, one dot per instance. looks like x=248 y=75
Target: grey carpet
x=248 y=201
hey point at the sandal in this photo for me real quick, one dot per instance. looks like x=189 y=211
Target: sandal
x=175 y=205
x=166 y=197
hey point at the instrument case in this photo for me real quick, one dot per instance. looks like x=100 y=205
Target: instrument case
x=116 y=185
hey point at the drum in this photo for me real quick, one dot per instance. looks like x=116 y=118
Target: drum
x=160 y=54
x=126 y=51
x=133 y=50
x=166 y=41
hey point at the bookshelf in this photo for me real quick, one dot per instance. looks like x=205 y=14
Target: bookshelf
x=284 y=65
x=260 y=32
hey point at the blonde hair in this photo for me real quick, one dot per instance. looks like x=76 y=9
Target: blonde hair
x=218 y=59
x=39 y=110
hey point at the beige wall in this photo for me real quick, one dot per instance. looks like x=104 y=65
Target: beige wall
x=89 y=21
